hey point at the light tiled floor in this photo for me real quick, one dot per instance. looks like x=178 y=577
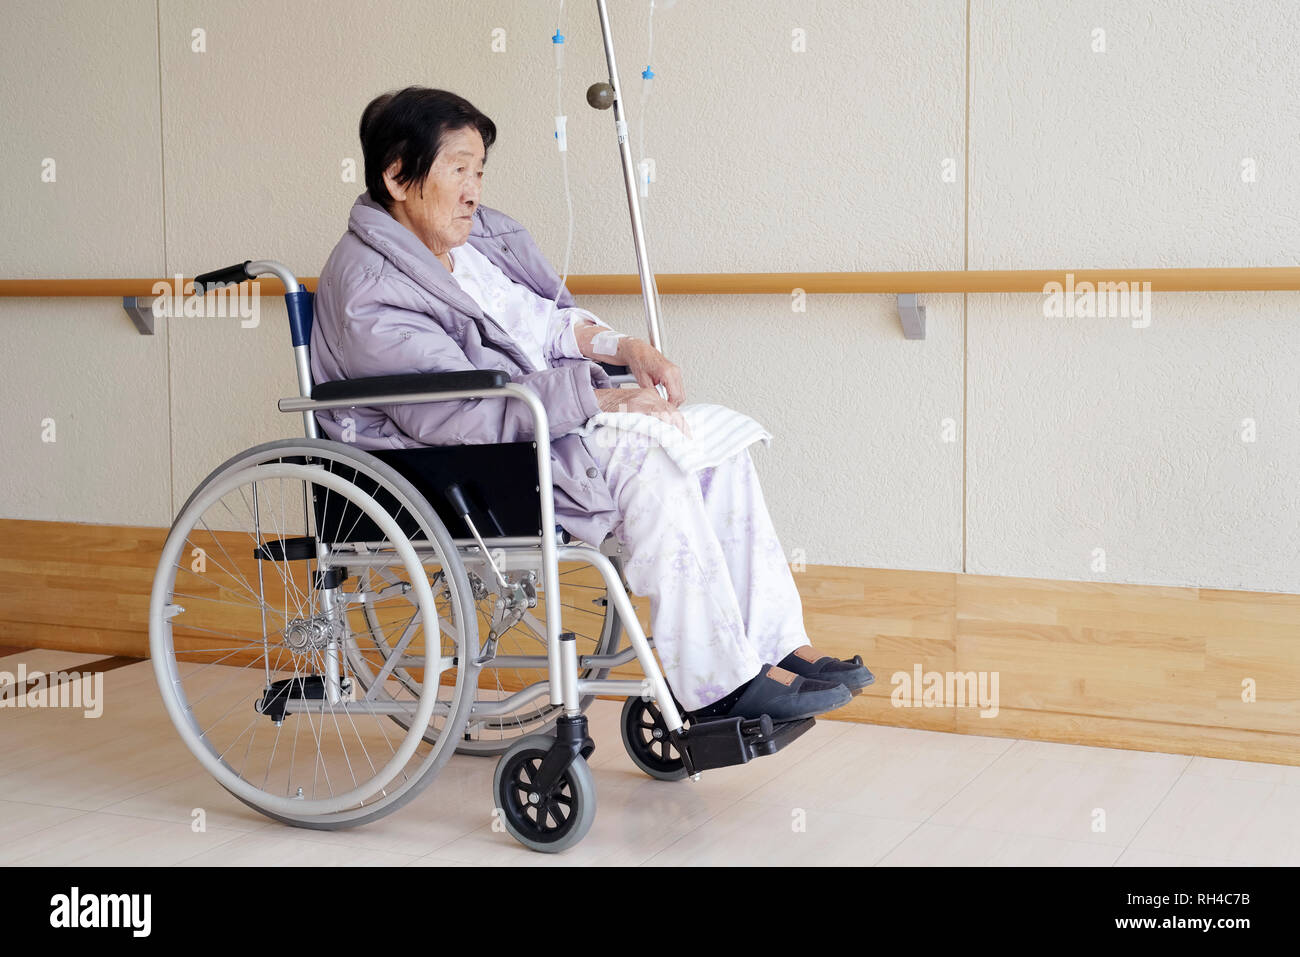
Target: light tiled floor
x=122 y=789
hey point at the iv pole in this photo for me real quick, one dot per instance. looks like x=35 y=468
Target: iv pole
x=602 y=96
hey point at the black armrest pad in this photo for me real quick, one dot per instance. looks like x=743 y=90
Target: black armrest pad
x=409 y=384
x=612 y=369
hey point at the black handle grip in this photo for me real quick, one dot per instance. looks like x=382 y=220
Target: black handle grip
x=231 y=274
x=457 y=499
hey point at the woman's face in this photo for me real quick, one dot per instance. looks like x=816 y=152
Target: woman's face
x=440 y=209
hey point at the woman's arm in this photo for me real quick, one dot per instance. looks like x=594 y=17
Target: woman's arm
x=385 y=337
x=561 y=339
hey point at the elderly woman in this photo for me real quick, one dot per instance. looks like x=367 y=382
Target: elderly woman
x=427 y=279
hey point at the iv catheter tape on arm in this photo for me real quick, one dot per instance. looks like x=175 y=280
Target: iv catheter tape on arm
x=606 y=343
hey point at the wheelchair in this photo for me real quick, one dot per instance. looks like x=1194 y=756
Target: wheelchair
x=329 y=625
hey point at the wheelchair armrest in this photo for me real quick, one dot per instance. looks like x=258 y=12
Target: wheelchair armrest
x=410 y=384
x=614 y=370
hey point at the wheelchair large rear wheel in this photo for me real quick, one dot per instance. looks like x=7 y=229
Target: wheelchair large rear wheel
x=255 y=609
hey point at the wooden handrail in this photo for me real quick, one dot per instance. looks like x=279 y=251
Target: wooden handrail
x=778 y=283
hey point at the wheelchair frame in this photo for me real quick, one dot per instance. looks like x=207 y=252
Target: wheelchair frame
x=547 y=763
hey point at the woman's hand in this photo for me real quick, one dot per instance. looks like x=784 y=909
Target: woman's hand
x=651 y=368
x=646 y=363
x=647 y=401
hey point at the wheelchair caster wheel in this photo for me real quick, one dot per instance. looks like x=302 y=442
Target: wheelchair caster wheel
x=645 y=738
x=541 y=822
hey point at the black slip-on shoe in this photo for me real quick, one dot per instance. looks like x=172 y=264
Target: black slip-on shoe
x=783 y=697
x=853 y=674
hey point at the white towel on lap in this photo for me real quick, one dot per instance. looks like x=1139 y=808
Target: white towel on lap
x=717 y=433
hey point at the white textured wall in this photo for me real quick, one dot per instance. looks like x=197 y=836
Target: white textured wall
x=1087 y=433
x=81 y=90
x=1071 y=435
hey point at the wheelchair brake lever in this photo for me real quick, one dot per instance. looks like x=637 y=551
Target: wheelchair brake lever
x=457 y=499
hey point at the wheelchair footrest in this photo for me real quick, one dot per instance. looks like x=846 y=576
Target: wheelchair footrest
x=722 y=742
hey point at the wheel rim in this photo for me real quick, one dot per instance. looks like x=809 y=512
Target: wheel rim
x=342 y=759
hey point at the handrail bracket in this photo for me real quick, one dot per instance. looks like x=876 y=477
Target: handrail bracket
x=140 y=309
x=912 y=315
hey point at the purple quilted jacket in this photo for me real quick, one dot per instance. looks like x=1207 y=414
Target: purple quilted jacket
x=385 y=305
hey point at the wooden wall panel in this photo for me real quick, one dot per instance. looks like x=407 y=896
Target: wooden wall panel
x=1129 y=666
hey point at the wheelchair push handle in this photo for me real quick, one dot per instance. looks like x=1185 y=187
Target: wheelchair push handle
x=221 y=277
x=250 y=269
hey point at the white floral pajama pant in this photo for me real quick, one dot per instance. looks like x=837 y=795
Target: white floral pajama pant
x=703 y=549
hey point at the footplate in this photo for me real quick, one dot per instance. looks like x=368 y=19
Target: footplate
x=722 y=742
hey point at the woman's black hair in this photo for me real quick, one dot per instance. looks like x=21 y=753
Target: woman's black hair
x=409 y=125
